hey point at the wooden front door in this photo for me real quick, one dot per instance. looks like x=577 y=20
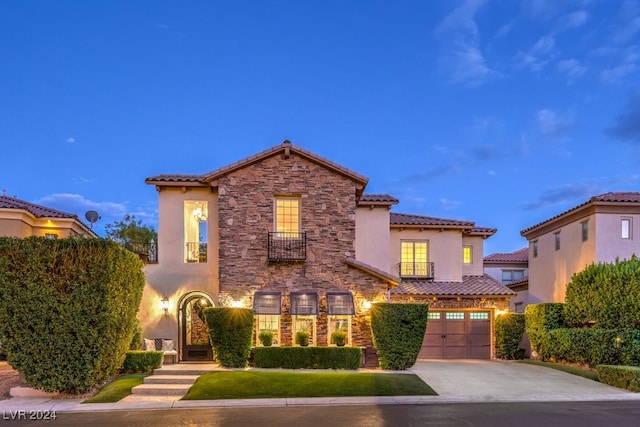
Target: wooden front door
x=195 y=334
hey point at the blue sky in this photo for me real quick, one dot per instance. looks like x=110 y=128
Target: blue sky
x=500 y=112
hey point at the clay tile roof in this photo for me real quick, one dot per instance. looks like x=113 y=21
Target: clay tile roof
x=477 y=286
x=484 y=231
x=624 y=197
x=518 y=283
x=378 y=199
x=408 y=219
x=175 y=178
x=38 y=211
x=372 y=270
x=521 y=255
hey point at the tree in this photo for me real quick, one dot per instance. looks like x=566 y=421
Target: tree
x=130 y=230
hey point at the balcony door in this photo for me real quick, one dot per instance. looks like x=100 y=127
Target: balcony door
x=414 y=258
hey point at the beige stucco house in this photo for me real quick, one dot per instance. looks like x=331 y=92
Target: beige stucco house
x=293 y=236
x=599 y=230
x=19 y=218
x=512 y=270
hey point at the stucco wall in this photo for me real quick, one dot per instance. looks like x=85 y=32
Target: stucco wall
x=373 y=237
x=610 y=245
x=476 y=267
x=445 y=251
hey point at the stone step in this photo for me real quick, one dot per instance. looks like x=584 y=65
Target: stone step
x=171 y=379
x=181 y=371
x=161 y=389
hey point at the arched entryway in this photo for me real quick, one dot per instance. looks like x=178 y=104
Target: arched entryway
x=194 y=335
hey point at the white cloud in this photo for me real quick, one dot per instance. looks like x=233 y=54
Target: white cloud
x=449 y=204
x=629 y=23
x=628 y=63
x=539 y=55
x=572 y=68
x=77 y=204
x=71 y=140
x=553 y=125
x=466 y=65
x=505 y=29
x=572 y=20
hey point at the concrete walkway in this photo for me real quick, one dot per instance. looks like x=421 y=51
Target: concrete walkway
x=454 y=381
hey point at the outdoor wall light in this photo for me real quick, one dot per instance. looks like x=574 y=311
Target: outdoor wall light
x=164 y=304
x=237 y=304
x=366 y=305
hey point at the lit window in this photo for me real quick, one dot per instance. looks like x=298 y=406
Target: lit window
x=509 y=276
x=287 y=216
x=433 y=315
x=534 y=244
x=585 y=230
x=467 y=255
x=479 y=316
x=50 y=235
x=195 y=231
x=556 y=236
x=454 y=316
x=414 y=256
x=268 y=322
x=626 y=228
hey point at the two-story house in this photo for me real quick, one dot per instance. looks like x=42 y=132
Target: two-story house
x=599 y=230
x=19 y=218
x=512 y=270
x=292 y=235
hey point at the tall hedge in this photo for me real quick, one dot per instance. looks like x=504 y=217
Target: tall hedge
x=509 y=332
x=605 y=295
x=231 y=331
x=398 y=331
x=594 y=346
x=540 y=319
x=67 y=309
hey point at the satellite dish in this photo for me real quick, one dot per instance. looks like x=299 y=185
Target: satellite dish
x=92 y=217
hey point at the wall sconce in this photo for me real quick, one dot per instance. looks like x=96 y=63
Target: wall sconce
x=164 y=304
x=364 y=305
x=237 y=304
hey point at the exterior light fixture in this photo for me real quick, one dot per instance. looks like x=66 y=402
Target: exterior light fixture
x=237 y=304
x=164 y=304
x=366 y=305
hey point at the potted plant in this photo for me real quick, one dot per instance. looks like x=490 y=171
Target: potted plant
x=338 y=337
x=302 y=338
x=266 y=338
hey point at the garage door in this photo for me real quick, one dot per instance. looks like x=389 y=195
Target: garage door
x=457 y=335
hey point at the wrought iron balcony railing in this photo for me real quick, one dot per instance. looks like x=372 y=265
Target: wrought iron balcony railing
x=148 y=252
x=282 y=246
x=416 y=270
x=196 y=252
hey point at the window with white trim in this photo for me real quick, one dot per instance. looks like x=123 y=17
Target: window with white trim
x=467 y=254
x=625 y=228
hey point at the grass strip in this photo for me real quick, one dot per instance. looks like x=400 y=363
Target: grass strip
x=570 y=369
x=117 y=389
x=270 y=384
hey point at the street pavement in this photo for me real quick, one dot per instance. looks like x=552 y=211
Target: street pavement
x=456 y=381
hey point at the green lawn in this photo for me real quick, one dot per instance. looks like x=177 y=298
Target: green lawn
x=117 y=389
x=575 y=370
x=281 y=384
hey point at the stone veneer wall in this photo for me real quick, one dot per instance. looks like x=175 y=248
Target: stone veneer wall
x=327 y=204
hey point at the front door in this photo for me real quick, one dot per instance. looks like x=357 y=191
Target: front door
x=195 y=334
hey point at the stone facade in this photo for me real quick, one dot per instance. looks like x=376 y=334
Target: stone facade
x=327 y=208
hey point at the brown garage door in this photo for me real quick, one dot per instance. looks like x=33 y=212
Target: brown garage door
x=457 y=334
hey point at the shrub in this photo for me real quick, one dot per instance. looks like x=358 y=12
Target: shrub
x=605 y=295
x=594 y=346
x=338 y=338
x=266 y=338
x=398 y=331
x=509 y=332
x=230 y=331
x=302 y=338
x=142 y=361
x=541 y=318
x=136 y=340
x=67 y=309
x=627 y=377
x=307 y=357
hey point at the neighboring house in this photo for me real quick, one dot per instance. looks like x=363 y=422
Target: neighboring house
x=292 y=235
x=512 y=270
x=22 y=219
x=600 y=230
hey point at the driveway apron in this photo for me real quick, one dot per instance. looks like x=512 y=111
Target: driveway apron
x=506 y=380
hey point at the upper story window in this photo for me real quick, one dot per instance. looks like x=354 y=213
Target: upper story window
x=585 y=230
x=534 y=245
x=625 y=228
x=196 y=213
x=287 y=215
x=467 y=254
x=556 y=237
x=414 y=258
x=509 y=276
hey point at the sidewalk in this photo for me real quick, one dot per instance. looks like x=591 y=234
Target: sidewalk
x=455 y=381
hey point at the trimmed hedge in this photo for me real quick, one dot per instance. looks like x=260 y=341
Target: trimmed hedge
x=509 y=332
x=142 y=361
x=67 y=309
x=627 y=377
x=605 y=295
x=231 y=332
x=593 y=346
x=541 y=318
x=398 y=332
x=307 y=357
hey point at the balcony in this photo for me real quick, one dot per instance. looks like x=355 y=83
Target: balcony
x=196 y=252
x=416 y=270
x=148 y=252
x=283 y=246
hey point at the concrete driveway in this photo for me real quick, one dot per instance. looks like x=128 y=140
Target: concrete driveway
x=494 y=380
